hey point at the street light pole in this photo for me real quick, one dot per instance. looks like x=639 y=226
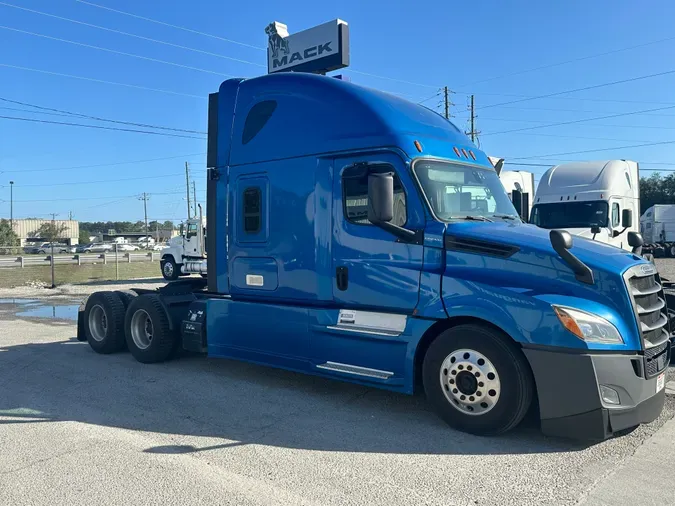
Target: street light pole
x=11 y=205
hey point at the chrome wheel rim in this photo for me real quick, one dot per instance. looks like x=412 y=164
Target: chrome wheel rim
x=98 y=323
x=168 y=269
x=470 y=382
x=141 y=329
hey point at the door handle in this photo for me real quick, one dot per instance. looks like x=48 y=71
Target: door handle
x=342 y=278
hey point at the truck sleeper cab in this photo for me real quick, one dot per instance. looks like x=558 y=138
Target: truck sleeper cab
x=356 y=236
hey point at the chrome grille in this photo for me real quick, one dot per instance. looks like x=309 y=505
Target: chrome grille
x=649 y=304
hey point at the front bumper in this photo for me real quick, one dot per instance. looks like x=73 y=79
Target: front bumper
x=568 y=389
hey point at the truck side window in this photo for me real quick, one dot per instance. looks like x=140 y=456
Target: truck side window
x=355 y=195
x=616 y=215
x=252 y=210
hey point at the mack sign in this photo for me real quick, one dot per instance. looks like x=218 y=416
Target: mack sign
x=317 y=50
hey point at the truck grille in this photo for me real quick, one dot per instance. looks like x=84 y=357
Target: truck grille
x=650 y=308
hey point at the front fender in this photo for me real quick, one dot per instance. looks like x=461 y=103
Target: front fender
x=528 y=318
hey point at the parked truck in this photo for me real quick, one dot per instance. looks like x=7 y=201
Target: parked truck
x=185 y=253
x=657 y=226
x=357 y=236
x=598 y=200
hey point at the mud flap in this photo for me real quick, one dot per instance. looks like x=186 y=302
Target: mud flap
x=81 y=336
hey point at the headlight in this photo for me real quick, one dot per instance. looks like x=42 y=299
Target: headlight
x=587 y=326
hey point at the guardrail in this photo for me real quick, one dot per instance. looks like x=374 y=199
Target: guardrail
x=89 y=258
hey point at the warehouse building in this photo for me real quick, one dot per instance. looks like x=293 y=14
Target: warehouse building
x=29 y=231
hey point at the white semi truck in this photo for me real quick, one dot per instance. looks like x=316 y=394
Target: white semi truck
x=596 y=200
x=186 y=253
x=519 y=185
x=657 y=226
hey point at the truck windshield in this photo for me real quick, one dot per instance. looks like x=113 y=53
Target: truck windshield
x=457 y=191
x=570 y=214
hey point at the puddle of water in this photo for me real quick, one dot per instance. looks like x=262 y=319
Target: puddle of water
x=30 y=308
x=55 y=312
x=20 y=301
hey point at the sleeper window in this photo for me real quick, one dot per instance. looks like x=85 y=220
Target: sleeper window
x=252 y=210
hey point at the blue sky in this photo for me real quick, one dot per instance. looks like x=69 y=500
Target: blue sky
x=471 y=47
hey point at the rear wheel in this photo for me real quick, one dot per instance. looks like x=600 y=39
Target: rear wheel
x=477 y=380
x=148 y=330
x=104 y=322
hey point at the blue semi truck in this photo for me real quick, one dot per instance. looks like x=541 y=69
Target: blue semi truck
x=360 y=237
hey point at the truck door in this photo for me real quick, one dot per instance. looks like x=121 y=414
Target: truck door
x=371 y=267
x=192 y=240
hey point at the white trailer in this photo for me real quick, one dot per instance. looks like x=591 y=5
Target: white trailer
x=596 y=200
x=657 y=226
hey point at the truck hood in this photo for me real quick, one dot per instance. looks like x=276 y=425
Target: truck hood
x=534 y=245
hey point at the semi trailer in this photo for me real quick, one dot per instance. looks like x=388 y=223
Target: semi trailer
x=357 y=236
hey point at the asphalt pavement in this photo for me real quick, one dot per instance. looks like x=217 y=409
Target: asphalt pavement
x=77 y=428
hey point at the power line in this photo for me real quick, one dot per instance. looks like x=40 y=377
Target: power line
x=592 y=87
x=555 y=109
x=132 y=35
x=99 y=127
x=124 y=197
x=97 y=118
x=549 y=165
x=161 y=176
x=583 y=137
x=105 y=164
x=574 y=60
x=580 y=120
x=190 y=30
x=172 y=26
x=596 y=150
x=113 y=51
x=91 y=79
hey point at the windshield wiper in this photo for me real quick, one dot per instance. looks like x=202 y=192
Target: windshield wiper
x=471 y=218
x=505 y=216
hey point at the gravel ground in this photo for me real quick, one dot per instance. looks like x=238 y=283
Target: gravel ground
x=77 y=428
x=666 y=267
x=80 y=291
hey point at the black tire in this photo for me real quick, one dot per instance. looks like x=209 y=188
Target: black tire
x=104 y=322
x=513 y=372
x=659 y=252
x=163 y=341
x=126 y=296
x=170 y=269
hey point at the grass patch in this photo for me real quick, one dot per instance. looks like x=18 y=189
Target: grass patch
x=68 y=273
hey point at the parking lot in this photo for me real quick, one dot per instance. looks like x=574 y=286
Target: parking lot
x=77 y=428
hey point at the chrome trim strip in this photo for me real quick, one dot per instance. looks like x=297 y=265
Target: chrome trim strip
x=356 y=370
x=361 y=330
x=657 y=307
x=654 y=289
x=659 y=324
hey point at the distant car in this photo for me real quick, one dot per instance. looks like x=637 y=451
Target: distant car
x=158 y=247
x=46 y=248
x=127 y=247
x=98 y=248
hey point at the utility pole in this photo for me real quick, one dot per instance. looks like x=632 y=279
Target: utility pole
x=54 y=215
x=145 y=198
x=194 y=193
x=446 y=101
x=187 y=187
x=473 y=133
x=11 y=205
x=70 y=216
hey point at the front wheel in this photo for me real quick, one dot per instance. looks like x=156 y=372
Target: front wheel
x=477 y=380
x=170 y=269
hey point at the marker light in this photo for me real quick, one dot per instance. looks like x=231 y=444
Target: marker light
x=587 y=326
x=418 y=146
x=457 y=151
x=472 y=155
x=464 y=153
